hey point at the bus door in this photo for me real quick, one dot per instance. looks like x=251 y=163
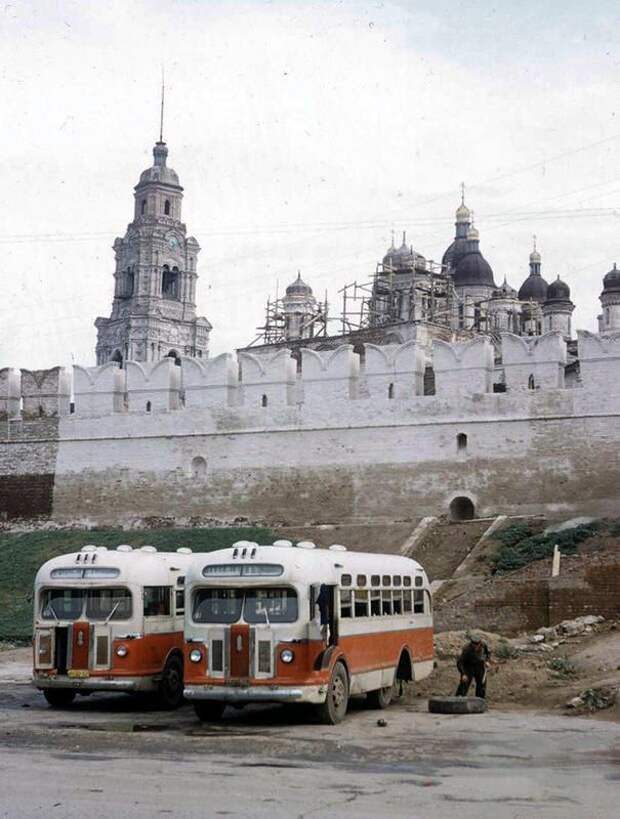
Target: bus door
x=323 y=598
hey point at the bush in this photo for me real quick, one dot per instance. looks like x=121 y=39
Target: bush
x=512 y=534
x=562 y=667
x=514 y=554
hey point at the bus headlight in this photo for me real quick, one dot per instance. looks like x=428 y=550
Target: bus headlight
x=195 y=655
x=122 y=651
x=287 y=656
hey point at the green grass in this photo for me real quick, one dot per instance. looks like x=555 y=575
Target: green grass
x=22 y=554
x=518 y=547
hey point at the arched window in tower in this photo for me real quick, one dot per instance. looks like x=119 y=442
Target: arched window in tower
x=117 y=356
x=391 y=391
x=531 y=383
x=143 y=207
x=429 y=381
x=461 y=442
x=170 y=282
x=167 y=207
x=176 y=356
x=129 y=282
x=263 y=401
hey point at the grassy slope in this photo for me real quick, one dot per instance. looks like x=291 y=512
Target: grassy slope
x=22 y=554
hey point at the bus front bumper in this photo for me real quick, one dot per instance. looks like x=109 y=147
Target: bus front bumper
x=257 y=693
x=126 y=684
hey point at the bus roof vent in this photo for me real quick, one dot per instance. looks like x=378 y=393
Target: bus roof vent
x=102 y=548
x=337 y=547
x=239 y=544
x=184 y=550
x=306 y=544
x=124 y=547
x=283 y=543
x=149 y=549
x=88 y=548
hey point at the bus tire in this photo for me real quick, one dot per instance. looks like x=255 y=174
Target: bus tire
x=209 y=710
x=59 y=697
x=333 y=710
x=381 y=697
x=170 y=689
x=457 y=705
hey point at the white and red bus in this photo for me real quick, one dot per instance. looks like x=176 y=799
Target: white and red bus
x=300 y=624
x=110 y=620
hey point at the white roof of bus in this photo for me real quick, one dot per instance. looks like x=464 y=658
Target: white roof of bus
x=309 y=560
x=141 y=565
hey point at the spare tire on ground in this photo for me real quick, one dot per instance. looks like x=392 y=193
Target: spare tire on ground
x=457 y=705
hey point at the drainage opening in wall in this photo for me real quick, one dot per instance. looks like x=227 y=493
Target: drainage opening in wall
x=462 y=508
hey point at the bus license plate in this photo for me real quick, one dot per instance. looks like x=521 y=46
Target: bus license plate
x=77 y=675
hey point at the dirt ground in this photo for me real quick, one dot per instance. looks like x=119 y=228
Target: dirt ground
x=537 y=675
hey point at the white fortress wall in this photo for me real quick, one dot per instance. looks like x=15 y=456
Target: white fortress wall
x=10 y=393
x=534 y=363
x=267 y=380
x=334 y=452
x=599 y=361
x=464 y=368
x=213 y=382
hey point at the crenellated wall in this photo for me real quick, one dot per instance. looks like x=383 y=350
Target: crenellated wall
x=332 y=437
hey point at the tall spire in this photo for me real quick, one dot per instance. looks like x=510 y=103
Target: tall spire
x=462 y=193
x=161 y=117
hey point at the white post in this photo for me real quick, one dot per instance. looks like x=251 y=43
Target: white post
x=555 y=564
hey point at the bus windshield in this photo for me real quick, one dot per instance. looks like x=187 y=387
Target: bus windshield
x=262 y=605
x=114 y=604
x=62 y=604
x=101 y=604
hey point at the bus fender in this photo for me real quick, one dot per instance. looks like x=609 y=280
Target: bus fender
x=174 y=653
x=328 y=658
x=404 y=670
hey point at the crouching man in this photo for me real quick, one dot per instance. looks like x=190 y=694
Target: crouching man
x=472 y=665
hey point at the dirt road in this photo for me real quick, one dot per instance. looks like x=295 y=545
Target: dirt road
x=107 y=757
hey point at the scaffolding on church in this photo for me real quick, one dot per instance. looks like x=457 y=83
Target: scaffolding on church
x=381 y=301
x=274 y=330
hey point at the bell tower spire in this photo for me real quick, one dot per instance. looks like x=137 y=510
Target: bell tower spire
x=161 y=116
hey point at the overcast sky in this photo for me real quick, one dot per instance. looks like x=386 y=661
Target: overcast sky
x=303 y=133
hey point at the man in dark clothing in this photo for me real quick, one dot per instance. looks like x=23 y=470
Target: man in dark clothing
x=472 y=664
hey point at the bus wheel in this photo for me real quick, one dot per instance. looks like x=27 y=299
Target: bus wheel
x=332 y=711
x=59 y=697
x=170 y=691
x=208 y=710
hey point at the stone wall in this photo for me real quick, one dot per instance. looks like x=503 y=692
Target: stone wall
x=320 y=441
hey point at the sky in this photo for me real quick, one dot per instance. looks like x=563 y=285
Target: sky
x=303 y=134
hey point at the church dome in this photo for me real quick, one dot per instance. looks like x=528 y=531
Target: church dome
x=505 y=291
x=299 y=288
x=473 y=270
x=534 y=288
x=558 y=291
x=612 y=280
x=159 y=172
x=463 y=214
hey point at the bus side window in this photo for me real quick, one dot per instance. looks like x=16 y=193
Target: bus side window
x=375 y=602
x=407 y=601
x=361 y=603
x=156 y=601
x=179 y=604
x=418 y=601
x=345 y=603
x=386 y=602
x=406 y=581
x=397 y=602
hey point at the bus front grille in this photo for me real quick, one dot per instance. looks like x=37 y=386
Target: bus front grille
x=264 y=657
x=217 y=655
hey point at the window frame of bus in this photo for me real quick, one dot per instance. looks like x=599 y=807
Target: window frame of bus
x=122 y=616
x=164 y=597
x=230 y=570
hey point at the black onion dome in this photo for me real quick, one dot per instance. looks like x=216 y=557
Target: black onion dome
x=299 y=287
x=558 y=291
x=534 y=288
x=473 y=269
x=612 y=280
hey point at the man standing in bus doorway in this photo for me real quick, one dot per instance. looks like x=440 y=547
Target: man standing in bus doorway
x=472 y=664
